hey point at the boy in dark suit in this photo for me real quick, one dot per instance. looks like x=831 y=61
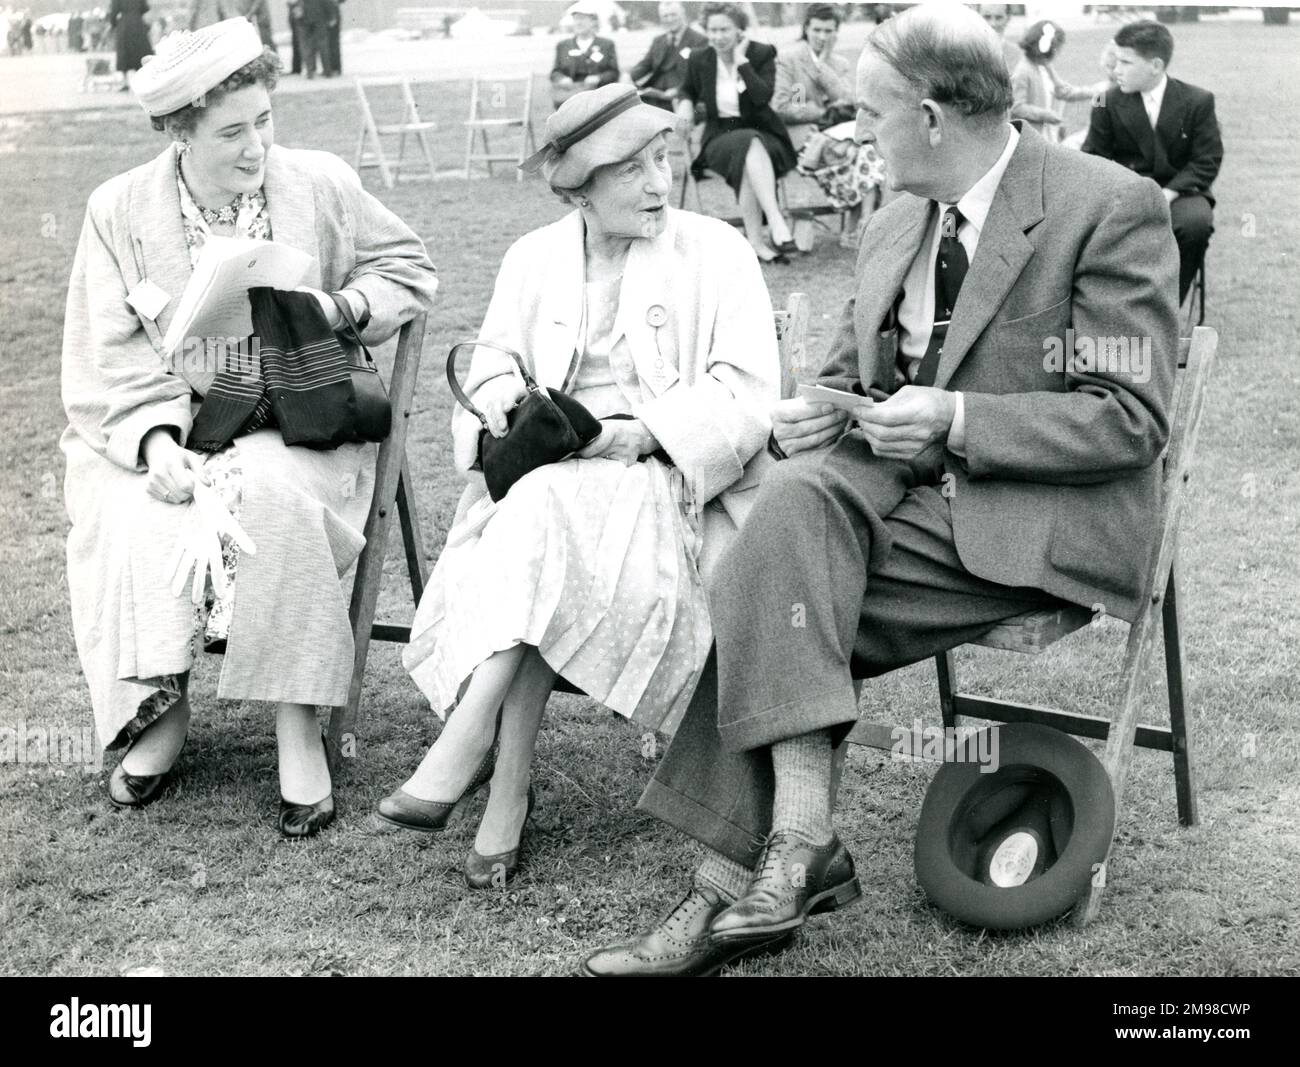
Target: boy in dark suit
x=659 y=74
x=1163 y=129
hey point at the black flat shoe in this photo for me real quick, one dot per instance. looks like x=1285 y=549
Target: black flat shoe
x=305 y=820
x=679 y=947
x=493 y=872
x=786 y=248
x=142 y=789
x=428 y=816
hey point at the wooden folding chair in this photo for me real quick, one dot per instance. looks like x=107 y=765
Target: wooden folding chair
x=805 y=218
x=370 y=145
x=1035 y=631
x=792 y=341
x=392 y=486
x=488 y=99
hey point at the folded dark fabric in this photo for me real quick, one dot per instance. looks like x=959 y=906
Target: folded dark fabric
x=293 y=374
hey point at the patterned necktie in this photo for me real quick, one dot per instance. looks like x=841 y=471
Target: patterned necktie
x=949 y=272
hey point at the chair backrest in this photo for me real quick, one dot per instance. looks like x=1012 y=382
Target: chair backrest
x=374 y=92
x=792 y=341
x=492 y=99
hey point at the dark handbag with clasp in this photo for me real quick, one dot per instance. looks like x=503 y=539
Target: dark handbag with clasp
x=544 y=427
x=374 y=413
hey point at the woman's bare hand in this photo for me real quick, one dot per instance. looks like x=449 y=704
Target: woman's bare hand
x=172 y=470
x=496 y=398
x=625 y=440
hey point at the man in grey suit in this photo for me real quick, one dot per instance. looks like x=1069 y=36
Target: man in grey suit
x=1015 y=320
x=658 y=76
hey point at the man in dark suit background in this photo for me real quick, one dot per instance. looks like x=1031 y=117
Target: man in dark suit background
x=659 y=74
x=583 y=61
x=1001 y=468
x=1163 y=129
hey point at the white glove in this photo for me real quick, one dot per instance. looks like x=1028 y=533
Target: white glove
x=200 y=544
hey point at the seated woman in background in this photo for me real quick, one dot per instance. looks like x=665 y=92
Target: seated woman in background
x=130 y=477
x=814 y=97
x=584 y=61
x=1032 y=88
x=593 y=568
x=744 y=139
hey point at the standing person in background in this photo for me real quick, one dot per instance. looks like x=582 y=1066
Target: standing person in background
x=259 y=15
x=1163 y=129
x=127 y=19
x=206 y=12
x=997 y=16
x=335 y=64
x=295 y=31
x=75 y=23
x=583 y=61
x=1033 y=93
x=658 y=76
x=316 y=18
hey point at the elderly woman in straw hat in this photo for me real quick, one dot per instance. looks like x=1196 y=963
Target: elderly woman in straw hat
x=593 y=568
x=131 y=480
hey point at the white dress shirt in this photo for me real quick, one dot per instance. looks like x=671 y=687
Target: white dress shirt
x=1153 y=98
x=916 y=311
x=727 y=91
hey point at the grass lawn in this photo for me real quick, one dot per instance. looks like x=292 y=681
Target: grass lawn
x=201 y=883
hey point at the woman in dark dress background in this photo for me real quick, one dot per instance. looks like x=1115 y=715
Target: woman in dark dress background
x=127 y=19
x=745 y=141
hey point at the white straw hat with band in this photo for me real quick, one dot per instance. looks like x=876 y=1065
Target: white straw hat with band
x=188 y=64
x=591 y=129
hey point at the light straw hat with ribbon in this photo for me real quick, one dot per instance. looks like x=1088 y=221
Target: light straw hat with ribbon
x=591 y=129
x=188 y=64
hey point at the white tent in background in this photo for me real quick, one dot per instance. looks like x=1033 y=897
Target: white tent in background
x=476 y=26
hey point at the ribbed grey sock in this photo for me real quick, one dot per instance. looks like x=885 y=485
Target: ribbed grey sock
x=802 y=767
x=728 y=877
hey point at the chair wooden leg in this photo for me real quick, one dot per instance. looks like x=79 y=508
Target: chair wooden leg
x=417 y=566
x=946 y=667
x=389 y=467
x=1118 y=756
x=1184 y=775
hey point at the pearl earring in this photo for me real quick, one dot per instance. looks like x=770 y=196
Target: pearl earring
x=185 y=147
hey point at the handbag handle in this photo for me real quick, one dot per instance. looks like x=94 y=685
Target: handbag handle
x=459 y=393
x=345 y=309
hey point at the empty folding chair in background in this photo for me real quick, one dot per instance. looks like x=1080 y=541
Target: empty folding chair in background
x=499 y=106
x=370 y=142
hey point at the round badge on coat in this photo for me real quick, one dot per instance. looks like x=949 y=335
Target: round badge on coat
x=656 y=316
